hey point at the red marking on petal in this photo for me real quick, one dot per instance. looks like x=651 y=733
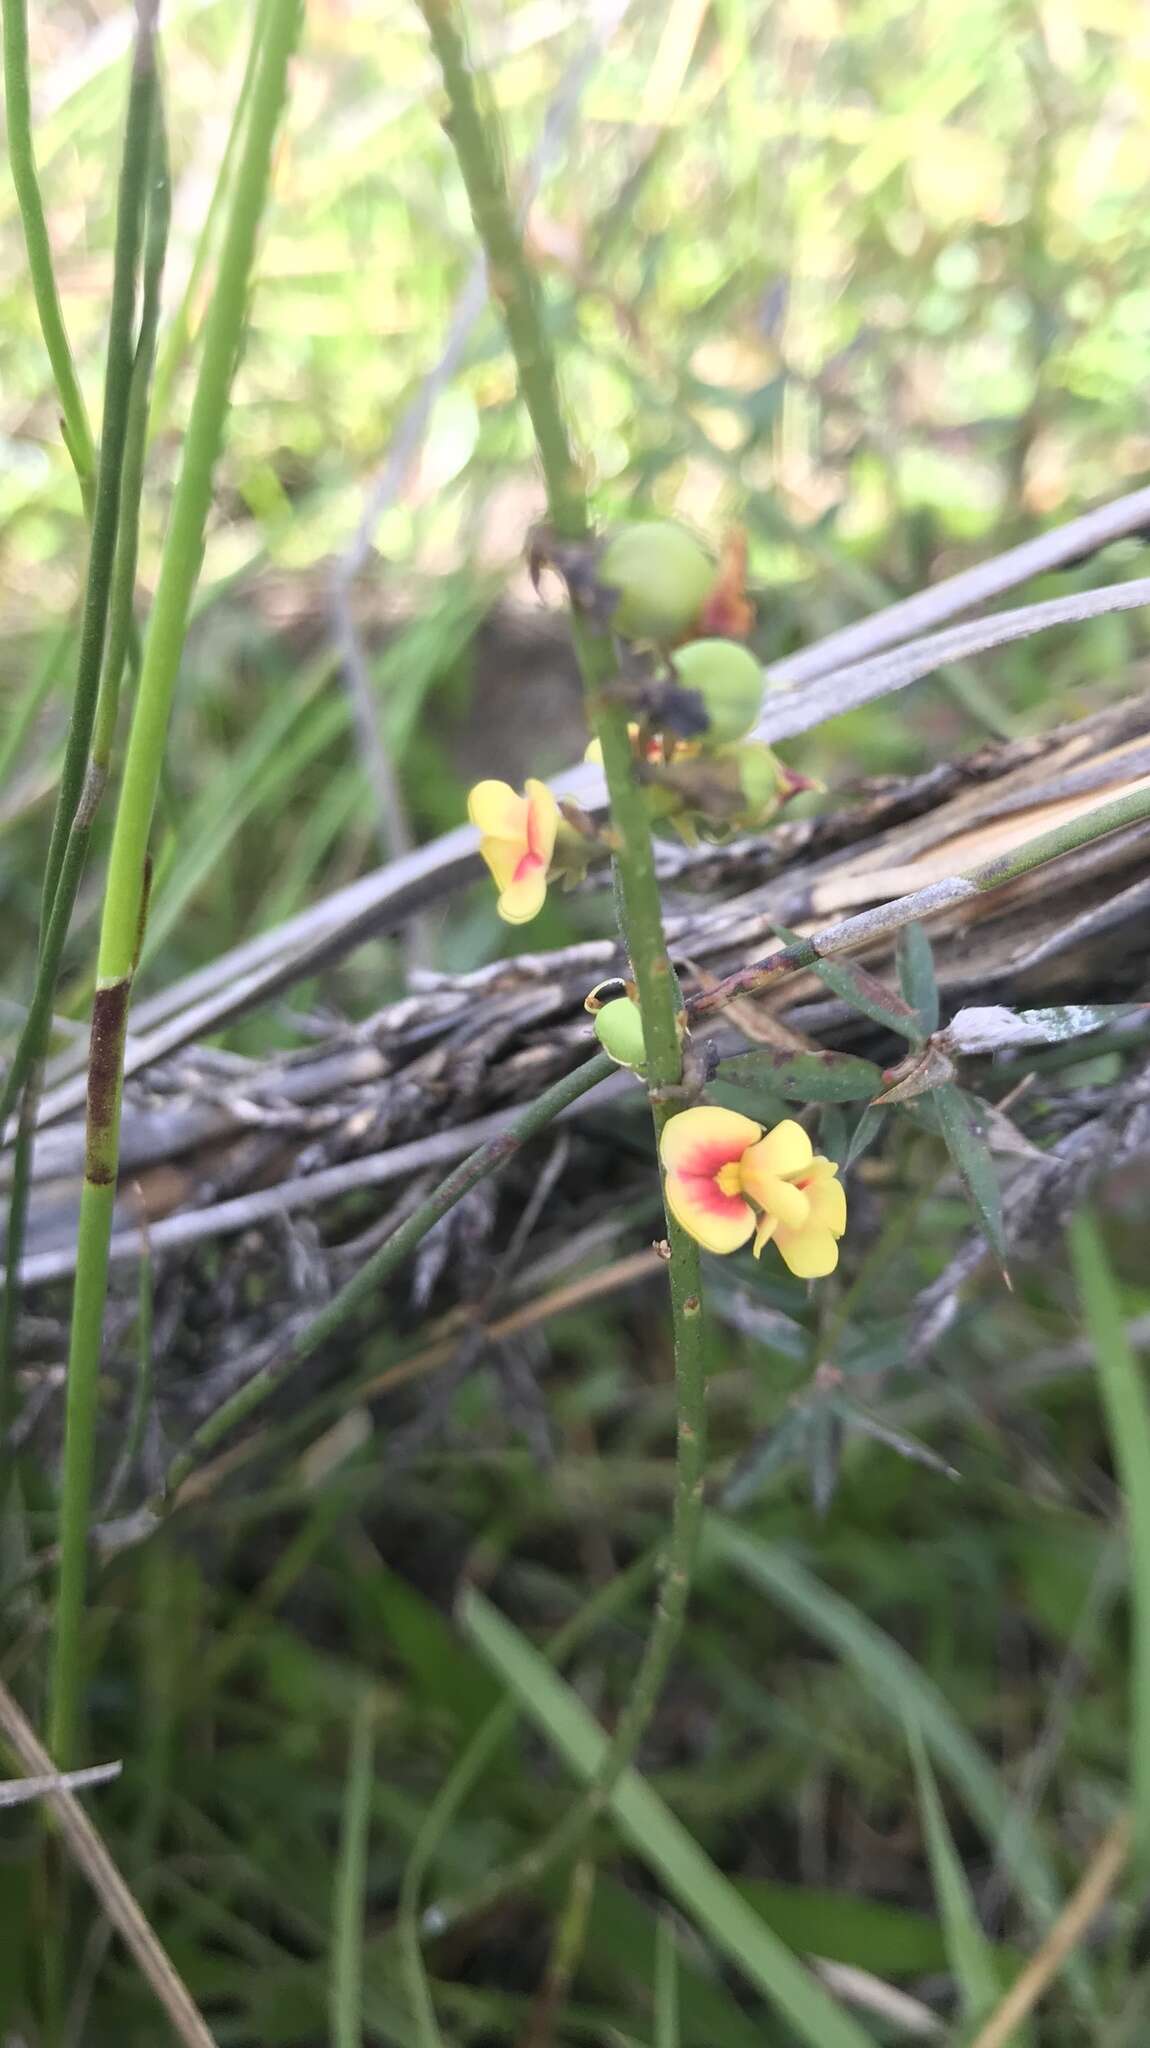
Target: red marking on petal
x=703 y=1192
x=709 y=1156
x=527 y=864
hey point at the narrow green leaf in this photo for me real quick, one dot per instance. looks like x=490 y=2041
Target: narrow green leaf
x=866 y=1131
x=864 y=992
x=969 y=1952
x=782 y=1444
x=916 y=976
x=623 y=1931
x=666 y=1984
x=346 y=1988
x=805 y=1076
x=1127 y=1409
x=976 y=1169
x=899 y=1688
x=658 y=1837
x=824 y=1453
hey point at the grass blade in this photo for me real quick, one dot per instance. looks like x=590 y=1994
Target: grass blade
x=901 y=1689
x=351 y=1883
x=1128 y=1419
x=666 y=1984
x=658 y=1838
x=969 y=1952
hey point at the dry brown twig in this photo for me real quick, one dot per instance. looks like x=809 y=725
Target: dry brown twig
x=1081 y=1908
x=87 y=1850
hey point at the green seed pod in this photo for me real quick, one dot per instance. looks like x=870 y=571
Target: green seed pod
x=763 y=782
x=730 y=683
x=661 y=575
x=619 y=1029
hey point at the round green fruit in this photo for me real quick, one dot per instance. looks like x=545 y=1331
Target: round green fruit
x=730 y=683
x=661 y=576
x=619 y=1029
x=762 y=781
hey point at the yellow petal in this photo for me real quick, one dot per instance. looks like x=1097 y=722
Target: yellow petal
x=777 y=1197
x=764 y=1231
x=498 y=812
x=503 y=857
x=811 y=1253
x=695 y=1147
x=703 y=1139
x=594 y=752
x=819 y=1169
x=720 y=1223
x=828 y=1205
x=542 y=820
x=784 y=1151
x=522 y=900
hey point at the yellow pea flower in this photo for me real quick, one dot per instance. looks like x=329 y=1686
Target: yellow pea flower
x=517 y=840
x=729 y=1180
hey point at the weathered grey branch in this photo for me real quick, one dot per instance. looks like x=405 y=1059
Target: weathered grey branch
x=261 y=967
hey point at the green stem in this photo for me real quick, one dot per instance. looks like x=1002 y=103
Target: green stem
x=71 y=824
x=105 y=522
x=25 y=179
x=371 y=1276
x=475 y=136
x=887 y=918
x=179 y=328
x=117 y=388
x=125 y=893
x=123 y=593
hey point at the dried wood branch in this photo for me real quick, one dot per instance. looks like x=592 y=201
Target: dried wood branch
x=211 y=1151
x=260 y=968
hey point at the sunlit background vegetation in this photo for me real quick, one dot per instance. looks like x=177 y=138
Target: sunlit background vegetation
x=872 y=279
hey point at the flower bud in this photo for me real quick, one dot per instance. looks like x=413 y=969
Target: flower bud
x=619 y=1029
x=730 y=682
x=661 y=575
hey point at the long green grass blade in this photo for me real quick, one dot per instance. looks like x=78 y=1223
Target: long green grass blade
x=1128 y=1419
x=970 y=1953
x=901 y=1690
x=655 y=1835
x=351 y=1884
x=666 y=1984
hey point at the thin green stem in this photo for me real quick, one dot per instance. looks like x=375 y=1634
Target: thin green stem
x=124 y=900
x=25 y=178
x=105 y=523
x=179 y=327
x=888 y=918
x=71 y=822
x=365 y=1284
x=475 y=136
x=117 y=389
x=22 y=715
x=123 y=593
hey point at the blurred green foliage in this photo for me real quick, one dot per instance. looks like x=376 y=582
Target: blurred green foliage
x=871 y=278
